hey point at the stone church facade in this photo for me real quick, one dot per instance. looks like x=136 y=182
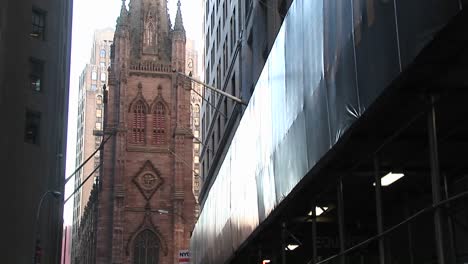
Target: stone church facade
x=146 y=206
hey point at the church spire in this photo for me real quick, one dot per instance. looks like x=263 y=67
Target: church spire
x=179 y=25
x=123 y=14
x=123 y=9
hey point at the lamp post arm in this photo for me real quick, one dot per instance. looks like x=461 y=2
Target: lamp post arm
x=214 y=89
x=38 y=211
x=167 y=212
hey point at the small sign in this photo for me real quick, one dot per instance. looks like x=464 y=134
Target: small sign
x=184 y=256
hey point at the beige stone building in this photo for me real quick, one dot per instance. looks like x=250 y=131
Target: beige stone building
x=90 y=117
x=195 y=106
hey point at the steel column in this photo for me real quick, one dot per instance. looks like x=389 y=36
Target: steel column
x=409 y=230
x=435 y=180
x=378 y=207
x=341 y=224
x=314 y=234
x=452 y=245
x=283 y=243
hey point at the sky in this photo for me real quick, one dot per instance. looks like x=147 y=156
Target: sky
x=88 y=16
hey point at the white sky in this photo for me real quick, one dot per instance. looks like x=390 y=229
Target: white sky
x=89 y=15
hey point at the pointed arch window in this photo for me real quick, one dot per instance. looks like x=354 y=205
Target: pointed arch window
x=146 y=248
x=159 y=124
x=138 y=125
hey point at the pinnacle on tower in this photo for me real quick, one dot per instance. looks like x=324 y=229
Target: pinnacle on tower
x=179 y=25
x=123 y=14
x=123 y=9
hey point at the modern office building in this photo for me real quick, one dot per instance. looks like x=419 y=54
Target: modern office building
x=35 y=39
x=351 y=148
x=90 y=119
x=238 y=38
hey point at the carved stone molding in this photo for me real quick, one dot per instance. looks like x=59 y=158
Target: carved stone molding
x=148 y=180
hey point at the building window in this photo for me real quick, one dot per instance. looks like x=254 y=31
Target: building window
x=36 y=74
x=207 y=9
x=102 y=53
x=203 y=126
x=233 y=30
x=32 y=127
x=102 y=64
x=225 y=108
x=224 y=13
x=146 y=248
x=99 y=99
x=94 y=76
x=212 y=21
x=207 y=159
x=233 y=85
x=248 y=8
x=213 y=140
x=98 y=113
x=103 y=77
x=203 y=171
x=98 y=126
x=218 y=75
x=159 y=124
x=225 y=57
x=196 y=159
x=38 y=24
x=219 y=129
x=218 y=36
x=139 y=116
x=93 y=87
x=212 y=58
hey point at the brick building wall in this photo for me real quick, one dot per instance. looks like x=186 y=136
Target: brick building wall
x=146 y=205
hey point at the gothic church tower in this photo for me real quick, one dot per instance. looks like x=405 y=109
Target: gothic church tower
x=146 y=204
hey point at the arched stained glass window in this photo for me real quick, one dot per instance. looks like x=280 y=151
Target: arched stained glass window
x=159 y=124
x=138 y=129
x=146 y=248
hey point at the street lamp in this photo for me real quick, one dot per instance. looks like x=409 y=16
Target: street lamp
x=232 y=97
x=162 y=211
x=36 y=252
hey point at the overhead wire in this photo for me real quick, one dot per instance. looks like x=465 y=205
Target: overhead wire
x=89 y=158
x=79 y=186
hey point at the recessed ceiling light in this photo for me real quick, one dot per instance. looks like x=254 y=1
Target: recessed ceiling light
x=265 y=261
x=319 y=210
x=390 y=178
x=292 y=247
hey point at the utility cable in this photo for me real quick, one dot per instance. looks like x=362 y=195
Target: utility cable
x=89 y=158
x=79 y=186
x=183 y=161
